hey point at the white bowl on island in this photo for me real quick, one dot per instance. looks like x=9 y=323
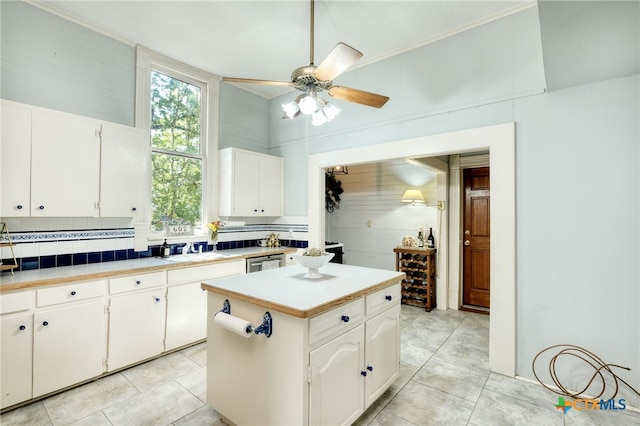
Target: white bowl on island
x=313 y=263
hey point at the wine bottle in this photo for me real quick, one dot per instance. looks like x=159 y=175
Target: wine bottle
x=431 y=242
x=420 y=239
x=165 y=250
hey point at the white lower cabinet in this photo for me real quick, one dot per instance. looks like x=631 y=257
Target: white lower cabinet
x=68 y=345
x=186 y=315
x=15 y=359
x=336 y=380
x=382 y=352
x=136 y=327
x=350 y=372
x=187 y=301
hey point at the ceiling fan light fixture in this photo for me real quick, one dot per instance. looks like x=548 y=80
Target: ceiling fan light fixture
x=309 y=104
x=330 y=110
x=318 y=118
x=291 y=110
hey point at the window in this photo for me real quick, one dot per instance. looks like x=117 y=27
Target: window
x=177 y=151
x=178 y=104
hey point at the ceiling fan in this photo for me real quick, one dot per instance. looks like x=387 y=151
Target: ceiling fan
x=312 y=79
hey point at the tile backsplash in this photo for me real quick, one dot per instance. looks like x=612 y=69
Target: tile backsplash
x=53 y=247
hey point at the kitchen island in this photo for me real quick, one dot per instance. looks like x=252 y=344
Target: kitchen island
x=318 y=351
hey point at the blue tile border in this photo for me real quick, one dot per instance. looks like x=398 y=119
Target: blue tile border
x=83 y=258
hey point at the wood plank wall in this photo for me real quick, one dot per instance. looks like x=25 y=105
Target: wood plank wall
x=372 y=192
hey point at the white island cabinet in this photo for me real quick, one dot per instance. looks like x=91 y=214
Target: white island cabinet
x=334 y=346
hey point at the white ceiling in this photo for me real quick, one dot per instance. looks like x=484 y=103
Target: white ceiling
x=268 y=39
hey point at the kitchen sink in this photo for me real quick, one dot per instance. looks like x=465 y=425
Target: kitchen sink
x=195 y=257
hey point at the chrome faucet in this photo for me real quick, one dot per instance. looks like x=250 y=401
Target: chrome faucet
x=186 y=248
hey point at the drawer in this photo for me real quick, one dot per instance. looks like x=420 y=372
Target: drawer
x=383 y=299
x=70 y=293
x=336 y=321
x=15 y=302
x=137 y=282
x=206 y=272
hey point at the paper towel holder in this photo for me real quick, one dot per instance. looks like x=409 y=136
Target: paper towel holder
x=265 y=328
x=226 y=307
x=267 y=325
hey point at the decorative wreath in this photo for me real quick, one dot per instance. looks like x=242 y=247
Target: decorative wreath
x=333 y=189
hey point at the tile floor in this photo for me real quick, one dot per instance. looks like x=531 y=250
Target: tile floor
x=444 y=380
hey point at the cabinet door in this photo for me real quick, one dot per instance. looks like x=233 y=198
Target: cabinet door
x=382 y=352
x=186 y=315
x=336 y=393
x=15 y=359
x=246 y=178
x=65 y=165
x=270 y=197
x=136 y=327
x=125 y=167
x=68 y=346
x=15 y=161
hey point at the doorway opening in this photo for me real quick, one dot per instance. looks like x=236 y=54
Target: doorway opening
x=499 y=141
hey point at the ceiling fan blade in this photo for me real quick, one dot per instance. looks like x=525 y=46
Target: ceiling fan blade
x=337 y=61
x=358 y=96
x=254 y=81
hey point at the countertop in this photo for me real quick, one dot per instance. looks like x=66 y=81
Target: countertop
x=286 y=290
x=67 y=274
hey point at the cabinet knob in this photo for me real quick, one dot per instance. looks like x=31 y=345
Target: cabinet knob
x=370 y=368
x=388 y=297
x=41 y=207
x=73 y=293
x=363 y=373
x=133 y=209
x=345 y=318
x=23 y=327
x=262 y=210
x=255 y=210
x=157 y=299
x=19 y=206
x=45 y=323
x=138 y=282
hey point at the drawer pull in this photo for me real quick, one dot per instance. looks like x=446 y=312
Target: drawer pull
x=138 y=282
x=45 y=323
x=388 y=297
x=19 y=206
x=370 y=368
x=345 y=318
x=363 y=373
x=73 y=293
x=22 y=327
x=157 y=299
x=133 y=209
x=41 y=207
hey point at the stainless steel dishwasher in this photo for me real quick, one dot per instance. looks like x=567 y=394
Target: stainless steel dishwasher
x=261 y=263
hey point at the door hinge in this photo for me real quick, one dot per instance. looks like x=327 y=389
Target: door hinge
x=99 y=132
x=96 y=205
x=105 y=364
x=107 y=309
x=309 y=374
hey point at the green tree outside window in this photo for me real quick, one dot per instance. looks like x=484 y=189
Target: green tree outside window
x=176 y=160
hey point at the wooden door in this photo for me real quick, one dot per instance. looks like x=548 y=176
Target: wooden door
x=476 y=236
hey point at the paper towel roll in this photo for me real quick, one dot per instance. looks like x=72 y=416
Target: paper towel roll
x=234 y=324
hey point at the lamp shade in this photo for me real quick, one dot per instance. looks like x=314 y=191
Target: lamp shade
x=413 y=196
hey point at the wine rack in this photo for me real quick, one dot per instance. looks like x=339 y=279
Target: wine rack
x=419 y=266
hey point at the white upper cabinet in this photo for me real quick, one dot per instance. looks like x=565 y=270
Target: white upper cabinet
x=62 y=165
x=65 y=165
x=15 y=159
x=250 y=183
x=124 y=171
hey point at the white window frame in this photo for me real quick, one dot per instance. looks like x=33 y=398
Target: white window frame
x=146 y=61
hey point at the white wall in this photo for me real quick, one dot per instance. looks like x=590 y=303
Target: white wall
x=372 y=220
x=577 y=183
